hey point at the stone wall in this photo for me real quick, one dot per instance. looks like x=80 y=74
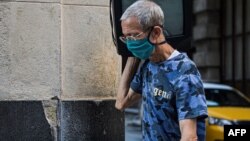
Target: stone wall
x=56 y=55
x=30 y=50
x=90 y=65
x=206 y=34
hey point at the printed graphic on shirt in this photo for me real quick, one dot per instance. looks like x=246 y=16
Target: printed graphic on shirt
x=163 y=94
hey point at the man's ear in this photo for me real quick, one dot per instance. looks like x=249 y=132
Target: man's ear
x=155 y=34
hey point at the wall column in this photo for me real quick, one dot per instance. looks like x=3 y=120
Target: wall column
x=90 y=68
x=206 y=35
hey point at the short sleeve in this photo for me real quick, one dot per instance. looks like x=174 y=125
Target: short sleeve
x=136 y=84
x=190 y=97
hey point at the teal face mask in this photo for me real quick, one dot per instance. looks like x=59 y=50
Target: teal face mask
x=140 y=48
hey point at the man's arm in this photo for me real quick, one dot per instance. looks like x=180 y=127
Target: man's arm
x=188 y=129
x=127 y=96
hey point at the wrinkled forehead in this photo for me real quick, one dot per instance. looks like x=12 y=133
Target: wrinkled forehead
x=130 y=25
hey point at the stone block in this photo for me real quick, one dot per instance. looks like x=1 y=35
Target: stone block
x=204 y=5
x=30 y=51
x=42 y=1
x=47 y=1
x=210 y=74
x=207 y=59
x=206 y=31
x=24 y=121
x=87 y=2
x=91 y=121
x=207 y=18
x=2 y=1
x=207 y=54
x=90 y=64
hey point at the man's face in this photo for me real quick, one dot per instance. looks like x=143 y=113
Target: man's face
x=131 y=27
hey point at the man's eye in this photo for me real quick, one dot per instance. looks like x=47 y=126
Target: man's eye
x=129 y=34
x=130 y=38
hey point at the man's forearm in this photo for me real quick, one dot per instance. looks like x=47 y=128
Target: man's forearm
x=128 y=73
x=188 y=129
x=127 y=76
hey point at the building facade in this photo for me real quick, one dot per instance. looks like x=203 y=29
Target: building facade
x=221 y=35
x=59 y=71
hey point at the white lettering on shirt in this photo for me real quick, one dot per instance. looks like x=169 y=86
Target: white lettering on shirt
x=164 y=94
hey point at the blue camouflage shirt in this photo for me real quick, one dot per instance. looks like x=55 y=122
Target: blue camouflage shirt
x=171 y=90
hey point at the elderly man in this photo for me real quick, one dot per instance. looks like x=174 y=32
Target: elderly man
x=174 y=104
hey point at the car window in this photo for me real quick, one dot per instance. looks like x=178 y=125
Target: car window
x=217 y=97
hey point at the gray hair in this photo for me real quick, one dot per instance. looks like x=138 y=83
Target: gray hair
x=148 y=13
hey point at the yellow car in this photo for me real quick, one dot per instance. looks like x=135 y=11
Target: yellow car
x=226 y=106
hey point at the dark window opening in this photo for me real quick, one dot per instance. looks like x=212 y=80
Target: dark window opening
x=235 y=44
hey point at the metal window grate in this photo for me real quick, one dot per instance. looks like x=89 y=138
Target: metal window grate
x=233 y=44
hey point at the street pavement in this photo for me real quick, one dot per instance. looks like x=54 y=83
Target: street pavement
x=132 y=128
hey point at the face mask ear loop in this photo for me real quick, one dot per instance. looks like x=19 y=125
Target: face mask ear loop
x=163 y=42
x=149 y=35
